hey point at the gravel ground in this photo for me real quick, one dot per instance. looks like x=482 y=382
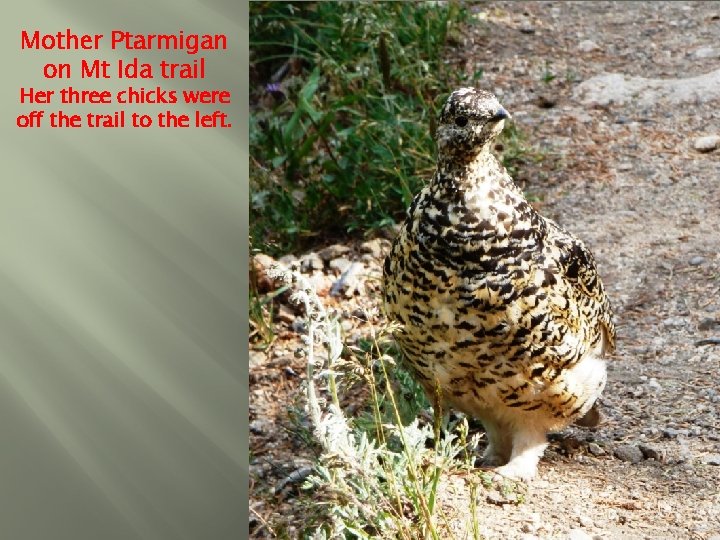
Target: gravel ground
x=637 y=177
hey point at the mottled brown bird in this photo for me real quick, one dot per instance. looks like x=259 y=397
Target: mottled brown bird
x=501 y=310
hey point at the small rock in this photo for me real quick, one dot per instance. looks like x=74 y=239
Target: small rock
x=672 y=433
x=320 y=282
x=299 y=326
x=257 y=358
x=258 y=427
x=649 y=452
x=697 y=260
x=629 y=453
x=585 y=521
x=500 y=500
x=674 y=322
x=285 y=315
x=587 y=45
x=526 y=27
x=288 y=260
x=339 y=265
x=376 y=247
x=707 y=143
x=333 y=252
x=290 y=372
x=546 y=102
x=495 y=498
x=311 y=262
x=595 y=449
x=350 y=281
x=711 y=459
x=708 y=324
x=578 y=534
x=706 y=52
x=654 y=385
x=346 y=325
x=625 y=166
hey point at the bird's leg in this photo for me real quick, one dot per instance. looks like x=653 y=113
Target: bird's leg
x=592 y=418
x=528 y=444
x=499 y=444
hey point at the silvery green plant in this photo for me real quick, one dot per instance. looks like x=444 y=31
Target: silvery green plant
x=361 y=487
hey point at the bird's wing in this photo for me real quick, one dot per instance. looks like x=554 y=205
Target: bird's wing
x=577 y=264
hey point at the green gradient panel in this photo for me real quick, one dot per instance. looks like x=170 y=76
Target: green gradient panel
x=123 y=386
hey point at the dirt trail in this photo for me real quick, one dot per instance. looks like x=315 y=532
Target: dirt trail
x=625 y=178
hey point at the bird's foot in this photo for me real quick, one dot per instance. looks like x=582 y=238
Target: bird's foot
x=517 y=469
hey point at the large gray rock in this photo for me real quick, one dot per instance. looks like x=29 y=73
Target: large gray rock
x=619 y=89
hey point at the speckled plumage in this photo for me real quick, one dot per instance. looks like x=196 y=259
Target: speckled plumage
x=500 y=309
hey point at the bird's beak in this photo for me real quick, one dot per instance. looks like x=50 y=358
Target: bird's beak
x=501 y=114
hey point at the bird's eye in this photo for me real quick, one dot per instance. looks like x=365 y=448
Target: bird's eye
x=461 y=121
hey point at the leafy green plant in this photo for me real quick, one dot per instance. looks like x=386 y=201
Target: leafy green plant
x=548 y=76
x=347 y=142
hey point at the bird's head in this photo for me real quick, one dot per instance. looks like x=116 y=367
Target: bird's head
x=469 y=122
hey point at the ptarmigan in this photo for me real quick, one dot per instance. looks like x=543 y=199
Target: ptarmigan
x=501 y=310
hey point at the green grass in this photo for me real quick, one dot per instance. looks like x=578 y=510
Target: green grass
x=350 y=143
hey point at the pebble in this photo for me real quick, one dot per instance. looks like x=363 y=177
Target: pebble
x=350 y=281
x=707 y=143
x=288 y=260
x=376 y=247
x=320 y=282
x=587 y=45
x=697 y=260
x=578 y=534
x=674 y=322
x=346 y=325
x=546 y=102
x=333 y=252
x=585 y=521
x=706 y=52
x=299 y=326
x=311 y=261
x=526 y=27
x=595 y=449
x=629 y=452
x=500 y=500
x=339 y=265
x=707 y=324
x=258 y=427
x=711 y=459
x=672 y=433
x=257 y=358
x=650 y=452
x=285 y=315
